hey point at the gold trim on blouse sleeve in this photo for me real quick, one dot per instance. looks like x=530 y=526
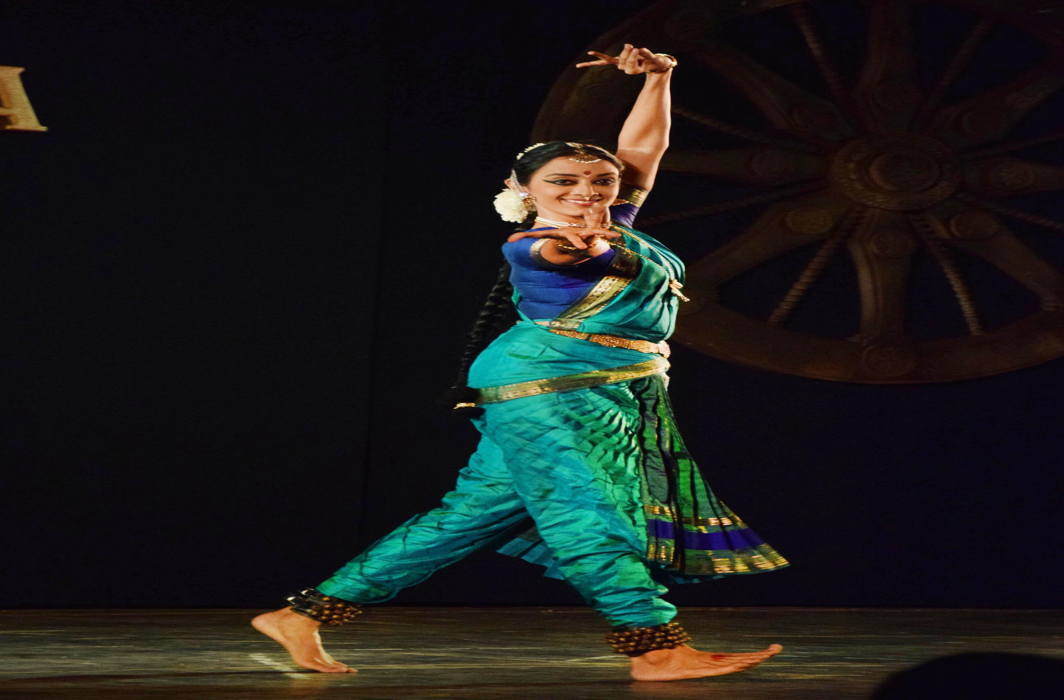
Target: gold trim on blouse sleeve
x=568 y=382
x=537 y=255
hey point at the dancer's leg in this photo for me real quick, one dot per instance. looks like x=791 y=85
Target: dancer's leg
x=576 y=466
x=578 y=475
x=481 y=508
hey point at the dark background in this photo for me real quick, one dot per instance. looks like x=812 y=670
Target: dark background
x=238 y=269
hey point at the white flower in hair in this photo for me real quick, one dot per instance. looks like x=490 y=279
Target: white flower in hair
x=511 y=206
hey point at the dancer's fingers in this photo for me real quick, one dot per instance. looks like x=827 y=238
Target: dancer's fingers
x=603 y=56
x=623 y=58
x=652 y=59
x=598 y=217
x=567 y=234
x=575 y=238
x=631 y=61
x=602 y=60
x=602 y=232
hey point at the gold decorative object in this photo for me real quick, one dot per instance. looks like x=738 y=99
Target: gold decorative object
x=16 y=112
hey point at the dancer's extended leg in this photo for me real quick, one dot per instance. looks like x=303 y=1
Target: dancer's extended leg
x=481 y=508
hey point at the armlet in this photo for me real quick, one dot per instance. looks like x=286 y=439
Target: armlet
x=630 y=194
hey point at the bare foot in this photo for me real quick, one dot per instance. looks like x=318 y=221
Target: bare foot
x=686 y=662
x=299 y=636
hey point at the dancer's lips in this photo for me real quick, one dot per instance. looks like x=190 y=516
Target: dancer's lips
x=582 y=202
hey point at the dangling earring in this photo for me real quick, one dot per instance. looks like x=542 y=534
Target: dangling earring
x=529 y=202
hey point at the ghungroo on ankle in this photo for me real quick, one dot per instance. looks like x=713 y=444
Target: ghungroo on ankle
x=325 y=609
x=635 y=641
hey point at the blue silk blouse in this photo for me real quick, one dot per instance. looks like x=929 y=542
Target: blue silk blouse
x=548 y=290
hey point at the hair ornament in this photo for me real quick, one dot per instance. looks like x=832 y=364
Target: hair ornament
x=511 y=205
x=530 y=148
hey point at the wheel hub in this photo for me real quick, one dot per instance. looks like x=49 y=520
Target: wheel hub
x=901 y=172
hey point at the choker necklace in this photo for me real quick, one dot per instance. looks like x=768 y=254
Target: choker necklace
x=558 y=224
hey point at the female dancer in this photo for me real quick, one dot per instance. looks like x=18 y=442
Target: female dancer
x=576 y=427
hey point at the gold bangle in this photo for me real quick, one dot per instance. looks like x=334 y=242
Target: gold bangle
x=675 y=62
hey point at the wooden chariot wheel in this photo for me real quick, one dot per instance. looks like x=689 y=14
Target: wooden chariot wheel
x=900 y=136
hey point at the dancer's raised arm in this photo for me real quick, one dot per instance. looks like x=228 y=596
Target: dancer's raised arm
x=645 y=134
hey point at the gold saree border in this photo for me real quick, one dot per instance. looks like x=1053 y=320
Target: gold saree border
x=622 y=270
x=750 y=560
x=569 y=382
x=703 y=524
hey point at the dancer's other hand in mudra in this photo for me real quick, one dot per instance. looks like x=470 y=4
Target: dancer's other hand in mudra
x=574 y=243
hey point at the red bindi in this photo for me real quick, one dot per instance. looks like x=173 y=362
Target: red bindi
x=587 y=172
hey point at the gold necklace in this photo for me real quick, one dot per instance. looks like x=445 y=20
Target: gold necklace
x=558 y=224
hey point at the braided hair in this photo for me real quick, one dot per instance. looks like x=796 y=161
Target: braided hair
x=498 y=312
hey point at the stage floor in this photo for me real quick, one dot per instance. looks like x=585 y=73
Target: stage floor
x=405 y=652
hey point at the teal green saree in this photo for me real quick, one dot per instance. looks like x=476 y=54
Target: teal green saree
x=579 y=439
x=555 y=399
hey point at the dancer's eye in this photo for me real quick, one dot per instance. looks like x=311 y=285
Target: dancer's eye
x=562 y=182
x=607 y=181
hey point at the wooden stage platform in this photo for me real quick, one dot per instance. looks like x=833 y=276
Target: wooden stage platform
x=405 y=652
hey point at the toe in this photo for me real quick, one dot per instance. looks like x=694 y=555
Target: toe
x=332 y=668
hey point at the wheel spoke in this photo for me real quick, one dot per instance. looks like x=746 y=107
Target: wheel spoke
x=1013 y=146
x=1002 y=177
x=732 y=204
x=888 y=92
x=960 y=59
x=978 y=233
x=992 y=115
x=784 y=227
x=780 y=140
x=801 y=15
x=814 y=268
x=882 y=250
x=1009 y=211
x=759 y=166
x=784 y=104
x=925 y=227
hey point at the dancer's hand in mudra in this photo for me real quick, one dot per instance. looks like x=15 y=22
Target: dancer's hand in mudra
x=631 y=60
x=572 y=244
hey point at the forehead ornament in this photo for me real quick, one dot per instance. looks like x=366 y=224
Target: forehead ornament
x=582 y=155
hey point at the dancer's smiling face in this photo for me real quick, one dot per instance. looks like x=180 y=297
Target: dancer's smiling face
x=566 y=190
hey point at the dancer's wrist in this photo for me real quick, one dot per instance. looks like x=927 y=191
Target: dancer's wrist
x=671 y=62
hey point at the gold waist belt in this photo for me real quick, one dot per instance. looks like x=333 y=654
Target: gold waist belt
x=569 y=382
x=616 y=341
